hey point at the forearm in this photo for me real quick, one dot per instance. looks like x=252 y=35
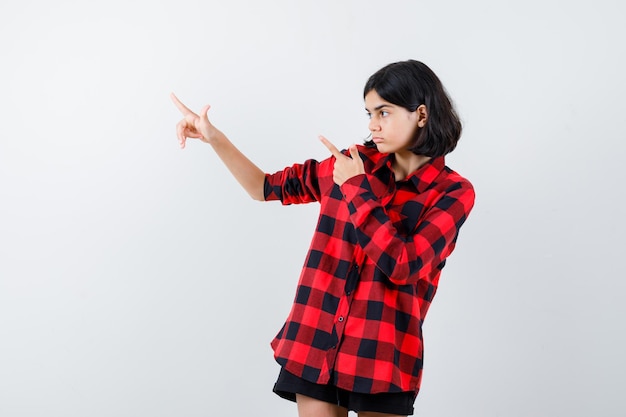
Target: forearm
x=413 y=254
x=245 y=171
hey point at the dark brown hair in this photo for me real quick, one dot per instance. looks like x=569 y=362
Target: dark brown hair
x=410 y=84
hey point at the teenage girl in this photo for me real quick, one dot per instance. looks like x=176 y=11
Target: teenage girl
x=390 y=213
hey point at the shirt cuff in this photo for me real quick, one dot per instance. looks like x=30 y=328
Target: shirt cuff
x=354 y=187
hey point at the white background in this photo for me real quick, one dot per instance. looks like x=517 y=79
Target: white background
x=137 y=279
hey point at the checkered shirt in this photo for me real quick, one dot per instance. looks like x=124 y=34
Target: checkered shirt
x=371 y=272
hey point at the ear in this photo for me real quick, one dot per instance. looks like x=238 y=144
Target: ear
x=422 y=115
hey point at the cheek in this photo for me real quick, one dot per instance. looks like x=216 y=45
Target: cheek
x=405 y=131
x=412 y=128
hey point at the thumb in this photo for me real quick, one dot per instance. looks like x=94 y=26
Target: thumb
x=354 y=153
x=204 y=113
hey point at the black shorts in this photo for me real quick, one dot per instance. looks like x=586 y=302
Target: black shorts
x=401 y=403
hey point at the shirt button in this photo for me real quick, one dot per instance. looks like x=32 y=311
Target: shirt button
x=340 y=319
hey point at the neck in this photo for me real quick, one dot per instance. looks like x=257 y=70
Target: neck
x=406 y=162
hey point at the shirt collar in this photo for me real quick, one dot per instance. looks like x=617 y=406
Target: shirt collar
x=421 y=178
x=426 y=175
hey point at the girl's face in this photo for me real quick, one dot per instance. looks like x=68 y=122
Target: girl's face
x=393 y=127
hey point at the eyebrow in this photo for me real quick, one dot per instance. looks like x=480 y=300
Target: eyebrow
x=379 y=107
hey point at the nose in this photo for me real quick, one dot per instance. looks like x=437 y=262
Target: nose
x=373 y=124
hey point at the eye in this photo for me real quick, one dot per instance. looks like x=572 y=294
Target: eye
x=384 y=113
x=369 y=115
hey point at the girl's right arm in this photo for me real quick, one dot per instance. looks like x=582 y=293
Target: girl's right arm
x=251 y=178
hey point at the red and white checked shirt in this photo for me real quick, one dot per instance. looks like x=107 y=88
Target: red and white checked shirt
x=371 y=272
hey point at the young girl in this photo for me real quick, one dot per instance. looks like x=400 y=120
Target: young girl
x=390 y=213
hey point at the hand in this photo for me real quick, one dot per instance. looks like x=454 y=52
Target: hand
x=345 y=167
x=193 y=125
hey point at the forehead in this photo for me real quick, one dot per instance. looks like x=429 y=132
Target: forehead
x=373 y=101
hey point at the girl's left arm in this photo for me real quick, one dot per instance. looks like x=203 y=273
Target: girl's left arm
x=407 y=259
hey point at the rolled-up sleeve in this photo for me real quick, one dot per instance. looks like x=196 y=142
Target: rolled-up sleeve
x=296 y=184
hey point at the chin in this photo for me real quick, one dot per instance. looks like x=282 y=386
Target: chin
x=382 y=148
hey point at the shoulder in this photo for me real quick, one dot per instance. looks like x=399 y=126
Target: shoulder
x=453 y=185
x=450 y=176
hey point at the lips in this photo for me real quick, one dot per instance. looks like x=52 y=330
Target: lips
x=377 y=140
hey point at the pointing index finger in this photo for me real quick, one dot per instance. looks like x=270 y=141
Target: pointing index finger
x=332 y=148
x=183 y=109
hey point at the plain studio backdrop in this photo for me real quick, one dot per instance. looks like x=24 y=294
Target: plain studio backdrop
x=137 y=279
